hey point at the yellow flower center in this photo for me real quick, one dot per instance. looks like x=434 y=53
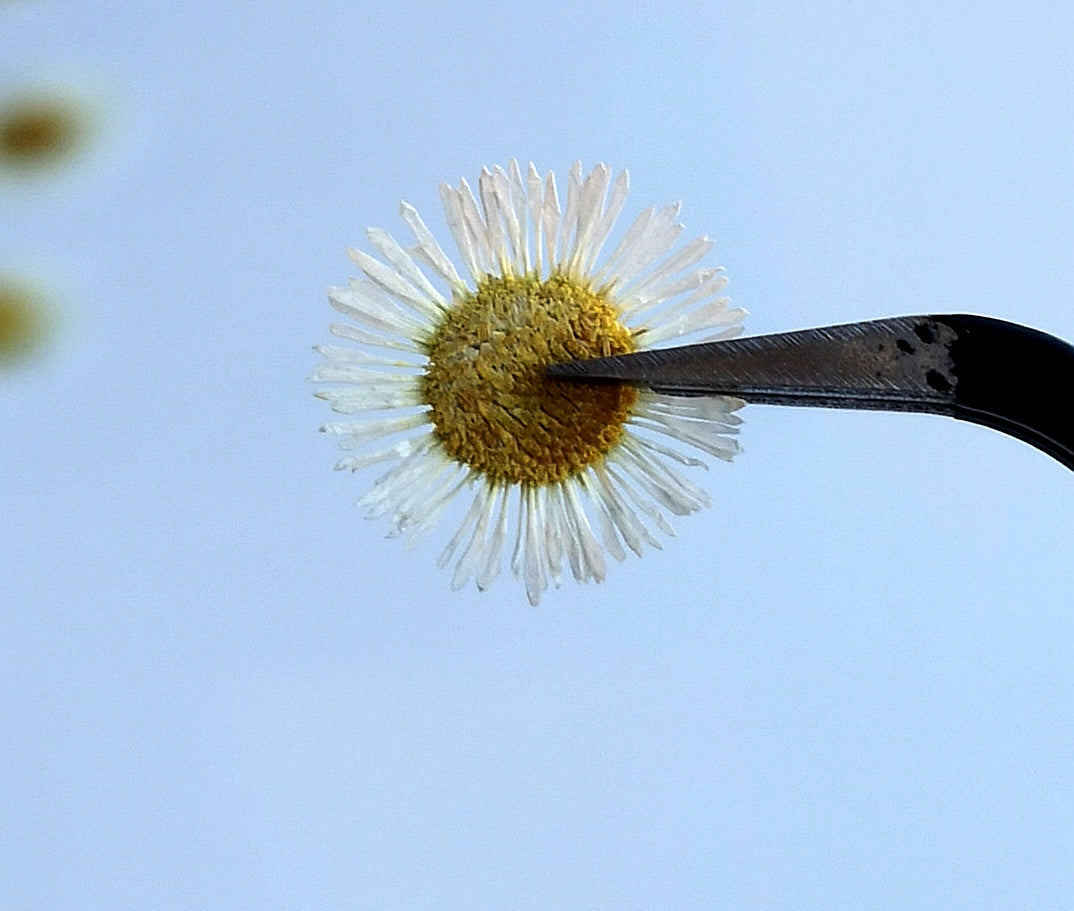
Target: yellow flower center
x=492 y=406
x=22 y=322
x=39 y=132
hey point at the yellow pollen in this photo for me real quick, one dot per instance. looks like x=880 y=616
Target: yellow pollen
x=492 y=406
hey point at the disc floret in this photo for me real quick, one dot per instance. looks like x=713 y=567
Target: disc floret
x=493 y=408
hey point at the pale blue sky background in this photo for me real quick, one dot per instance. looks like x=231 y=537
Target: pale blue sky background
x=847 y=685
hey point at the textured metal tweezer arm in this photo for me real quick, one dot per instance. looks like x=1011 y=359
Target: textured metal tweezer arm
x=1012 y=378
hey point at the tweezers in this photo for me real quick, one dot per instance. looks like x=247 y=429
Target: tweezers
x=973 y=368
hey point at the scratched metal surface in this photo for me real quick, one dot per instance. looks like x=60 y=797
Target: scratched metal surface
x=902 y=363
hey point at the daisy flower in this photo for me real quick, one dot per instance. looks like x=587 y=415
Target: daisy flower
x=447 y=375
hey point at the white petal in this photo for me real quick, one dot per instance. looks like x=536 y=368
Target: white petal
x=421 y=461
x=401 y=450
x=623 y=484
x=371 y=398
x=357 y=356
x=609 y=535
x=357 y=433
x=700 y=434
x=654 y=242
x=533 y=556
x=659 y=481
x=432 y=251
x=626 y=243
x=456 y=221
x=682 y=259
x=592 y=553
x=513 y=240
x=477 y=230
x=702 y=318
x=668 y=453
x=346 y=372
x=688 y=283
x=517 y=553
x=491 y=568
x=426 y=494
x=713 y=283
x=716 y=408
x=430 y=302
x=629 y=526
x=425 y=513
x=468 y=521
x=535 y=204
x=646 y=241
x=569 y=226
x=607 y=221
x=706 y=284
x=520 y=197
x=390 y=280
x=492 y=206
x=567 y=541
x=379 y=340
x=367 y=304
x=474 y=555
x=554 y=533
x=707 y=424
x=590 y=203
x=730 y=332
x=550 y=220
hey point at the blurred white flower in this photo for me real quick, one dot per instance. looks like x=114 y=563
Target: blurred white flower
x=458 y=399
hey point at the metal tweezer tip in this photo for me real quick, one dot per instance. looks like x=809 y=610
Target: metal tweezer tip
x=974 y=368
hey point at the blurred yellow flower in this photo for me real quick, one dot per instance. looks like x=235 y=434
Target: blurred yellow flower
x=24 y=321
x=41 y=130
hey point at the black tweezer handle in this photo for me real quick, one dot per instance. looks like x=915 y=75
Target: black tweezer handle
x=1016 y=380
